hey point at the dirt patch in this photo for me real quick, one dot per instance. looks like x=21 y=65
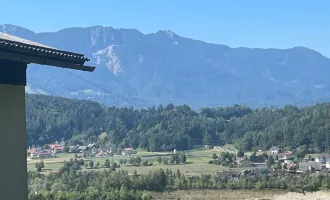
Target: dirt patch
x=240 y=195
x=219 y=195
x=306 y=196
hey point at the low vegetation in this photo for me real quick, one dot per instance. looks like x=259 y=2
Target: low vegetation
x=71 y=183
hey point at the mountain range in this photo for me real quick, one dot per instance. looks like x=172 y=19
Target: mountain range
x=140 y=70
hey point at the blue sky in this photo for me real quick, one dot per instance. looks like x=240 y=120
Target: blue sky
x=253 y=23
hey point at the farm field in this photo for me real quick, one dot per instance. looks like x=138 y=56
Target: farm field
x=197 y=162
x=241 y=195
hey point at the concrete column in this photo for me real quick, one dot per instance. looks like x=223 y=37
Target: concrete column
x=13 y=167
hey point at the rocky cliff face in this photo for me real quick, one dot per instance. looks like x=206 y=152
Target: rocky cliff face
x=162 y=68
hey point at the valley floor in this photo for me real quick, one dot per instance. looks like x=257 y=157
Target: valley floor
x=241 y=195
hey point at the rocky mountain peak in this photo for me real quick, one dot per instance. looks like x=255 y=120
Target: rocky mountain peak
x=163 y=67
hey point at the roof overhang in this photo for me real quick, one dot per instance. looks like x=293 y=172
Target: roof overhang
x=18 y=49
x=44 y=61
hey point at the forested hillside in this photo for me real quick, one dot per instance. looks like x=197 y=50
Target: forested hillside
x=168 y=127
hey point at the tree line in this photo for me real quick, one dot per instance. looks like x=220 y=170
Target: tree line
x=169 y=127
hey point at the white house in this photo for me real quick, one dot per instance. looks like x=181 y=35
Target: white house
x=127 y=151
x=42 y=154
x=275 y=150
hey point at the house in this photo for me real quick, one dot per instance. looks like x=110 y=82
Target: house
x=102 y=155
x=112 y=150
x=319 y=159
x=327 y=163
x=42 y=154
x=76 y=149
x=56 y=148
x=259 y=165
x=290 y=166
x=33 y=150
x=229 y=175
x=127 y=151
x=243 y=163
x=73 y=149
x=322 y=159
x=285 y=156
x=309 y=166
x=82 y=148
x=81 y=155
x=90 y=146
x=274 y=150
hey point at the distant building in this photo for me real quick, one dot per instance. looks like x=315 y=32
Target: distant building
x=76 y=149
x=327 y=163
x=102 y=155
x=243 y=163
x=81 y=155
x=56 y=148
x=259 y=166
x=309 y=166
x=128 y=151
x=73 y=149
x=33 y=150
x=42 y=154
x=285 y=156
x=230 y=175
x=319 y=159
x=82 y=148
x=112 y=150
x=322 y=159
x=274 y=150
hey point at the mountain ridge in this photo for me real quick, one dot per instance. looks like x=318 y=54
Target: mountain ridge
x=163 y=68
x=4 y=26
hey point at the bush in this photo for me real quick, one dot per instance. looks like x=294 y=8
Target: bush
x=146 y=196
x=165 y=161
x=107 y=163
x=145 y=163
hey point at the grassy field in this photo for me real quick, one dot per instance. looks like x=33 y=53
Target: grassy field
x=197 y=162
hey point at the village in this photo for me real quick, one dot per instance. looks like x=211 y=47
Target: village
x=250 y=164
x=89 y=151
x=277 y=162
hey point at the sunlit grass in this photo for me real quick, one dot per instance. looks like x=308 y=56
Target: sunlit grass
x=197 y=162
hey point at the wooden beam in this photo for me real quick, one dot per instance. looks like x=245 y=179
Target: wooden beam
x=43 y=61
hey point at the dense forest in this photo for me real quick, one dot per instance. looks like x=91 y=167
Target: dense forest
x=167 y=127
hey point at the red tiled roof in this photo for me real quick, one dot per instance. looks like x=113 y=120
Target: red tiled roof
x=52 y=146
x=58 y=148
x=33 y=150
x=289 y=165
